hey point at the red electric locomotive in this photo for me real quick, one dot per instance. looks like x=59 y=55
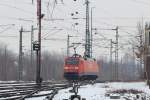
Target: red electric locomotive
x=80 y=68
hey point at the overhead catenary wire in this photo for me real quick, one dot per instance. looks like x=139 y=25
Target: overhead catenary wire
x=104 y=38
x=8 y=36
x=18 y=1
x=4 y=25
x=54 y=5
x=30 y=20
x=50 y=34
x=141 y=2
x=117 y=18
x=126 y=18
x=122 y=19
x=6 y=29
x=19 y=9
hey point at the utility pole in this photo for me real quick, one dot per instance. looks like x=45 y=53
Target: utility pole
x=116 y=53
x=111 y=42
x=5 y=69
x=38 y=70
x=111 y=65
x=20 y=67
x=68 y=45
x=88 y=38
x=32 y=1
x=32 y=40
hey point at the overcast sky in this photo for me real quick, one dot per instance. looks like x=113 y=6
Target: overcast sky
x=106 y=14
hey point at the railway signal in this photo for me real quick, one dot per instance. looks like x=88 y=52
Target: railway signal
x=36 y=46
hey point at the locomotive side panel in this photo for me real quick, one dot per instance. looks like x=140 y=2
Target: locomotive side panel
x=90 y=70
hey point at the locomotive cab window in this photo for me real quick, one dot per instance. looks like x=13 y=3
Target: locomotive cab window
x=72 y=61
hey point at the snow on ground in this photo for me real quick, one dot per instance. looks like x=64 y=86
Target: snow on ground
x=97 y=91
x=136 y=85
x=38 y=98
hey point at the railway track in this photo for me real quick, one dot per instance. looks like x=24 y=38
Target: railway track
x=47 y=90
x=23 y=90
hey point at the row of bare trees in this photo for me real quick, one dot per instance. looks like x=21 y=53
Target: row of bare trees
x=52 y=67
x=128 y=69
x=8 y=64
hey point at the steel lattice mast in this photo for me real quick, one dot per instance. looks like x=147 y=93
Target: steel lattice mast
x=87 y=37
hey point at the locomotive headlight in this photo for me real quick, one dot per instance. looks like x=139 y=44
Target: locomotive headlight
x=66 y=67
x=76 y=68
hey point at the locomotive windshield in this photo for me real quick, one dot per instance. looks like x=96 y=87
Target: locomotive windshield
x=72 y=61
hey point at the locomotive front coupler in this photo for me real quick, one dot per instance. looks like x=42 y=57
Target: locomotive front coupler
x=75 y=87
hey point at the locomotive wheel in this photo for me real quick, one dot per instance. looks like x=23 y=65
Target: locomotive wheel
x=75 y=97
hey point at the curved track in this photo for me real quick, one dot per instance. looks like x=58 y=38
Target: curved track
x=20 y=91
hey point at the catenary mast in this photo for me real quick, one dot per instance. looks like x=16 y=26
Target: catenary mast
x=87 y=37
